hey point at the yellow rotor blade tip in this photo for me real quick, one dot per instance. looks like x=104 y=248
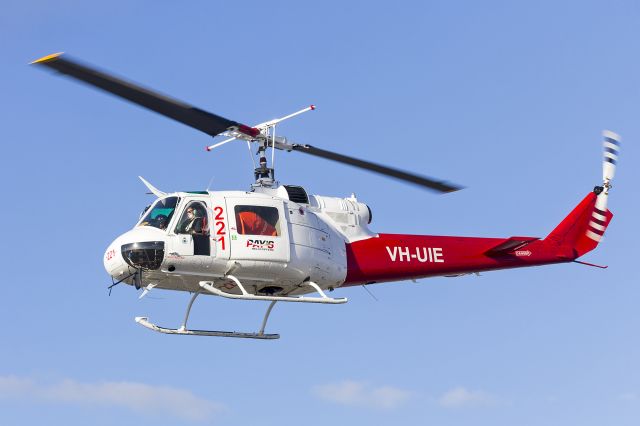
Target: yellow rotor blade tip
x=47 y=58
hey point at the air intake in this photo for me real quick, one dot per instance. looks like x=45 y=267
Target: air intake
x=297 y=194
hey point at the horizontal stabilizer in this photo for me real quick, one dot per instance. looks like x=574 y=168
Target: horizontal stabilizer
x=509 y=245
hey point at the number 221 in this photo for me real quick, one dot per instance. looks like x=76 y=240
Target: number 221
x=219 y=225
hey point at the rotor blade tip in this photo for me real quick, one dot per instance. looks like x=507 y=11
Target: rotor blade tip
x=48 y=58
x=448 y=188
x=455 y=189
x=312 y=107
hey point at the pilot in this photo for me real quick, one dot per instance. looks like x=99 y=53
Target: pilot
x=192 y=223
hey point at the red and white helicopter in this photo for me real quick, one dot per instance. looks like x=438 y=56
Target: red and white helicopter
x=277 y=243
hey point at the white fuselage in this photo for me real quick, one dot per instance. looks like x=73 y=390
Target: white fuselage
x=302 y=242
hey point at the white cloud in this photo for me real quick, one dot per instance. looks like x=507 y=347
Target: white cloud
x=354 y=393
x=462 y=397
x=139 y=397
x=14 y=386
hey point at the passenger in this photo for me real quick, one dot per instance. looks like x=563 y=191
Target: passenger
x=162 y=221
x=251 y=223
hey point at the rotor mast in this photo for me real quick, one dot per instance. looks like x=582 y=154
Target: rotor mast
x=266 y=138
x=264 y=175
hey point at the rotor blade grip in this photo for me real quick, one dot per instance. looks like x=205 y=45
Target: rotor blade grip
x=378 y=168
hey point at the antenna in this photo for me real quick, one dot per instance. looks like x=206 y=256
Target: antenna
x=210 y=182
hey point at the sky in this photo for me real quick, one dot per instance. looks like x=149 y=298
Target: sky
x=508 y=99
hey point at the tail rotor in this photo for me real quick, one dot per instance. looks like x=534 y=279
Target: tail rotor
x=582 y=230
x=601 y=215
x=611 y=151
x=611 y=145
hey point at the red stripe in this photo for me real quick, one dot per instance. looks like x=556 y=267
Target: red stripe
x=251 y=131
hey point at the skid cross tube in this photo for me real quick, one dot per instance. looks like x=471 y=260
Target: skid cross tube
x=186 y=315
x=266 y=317
x=144 y=321
x=208 y=286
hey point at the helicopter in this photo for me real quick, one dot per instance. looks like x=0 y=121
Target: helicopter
x=278 y=243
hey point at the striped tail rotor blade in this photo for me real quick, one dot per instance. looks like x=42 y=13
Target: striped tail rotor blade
x=611 y=145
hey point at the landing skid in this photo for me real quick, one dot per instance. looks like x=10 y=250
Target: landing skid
x=143 y=321
x=208 y=286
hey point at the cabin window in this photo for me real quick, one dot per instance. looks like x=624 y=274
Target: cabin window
x=193 y=220
x=257 y=220
x=159 y=215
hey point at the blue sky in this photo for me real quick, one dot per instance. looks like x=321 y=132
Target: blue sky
x=506 y=98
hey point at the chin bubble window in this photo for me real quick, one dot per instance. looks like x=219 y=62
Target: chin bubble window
x=257 y=220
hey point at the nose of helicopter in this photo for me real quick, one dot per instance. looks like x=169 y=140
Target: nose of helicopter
x=139 y=248
x=113 y=261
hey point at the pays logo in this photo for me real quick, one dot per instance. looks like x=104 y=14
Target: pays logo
x=267 y=245
x=523 y=253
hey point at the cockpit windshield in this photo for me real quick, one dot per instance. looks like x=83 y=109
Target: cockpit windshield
x=159 y=215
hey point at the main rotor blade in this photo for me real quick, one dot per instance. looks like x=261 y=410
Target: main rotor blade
x=378 y=168
x=204 y=121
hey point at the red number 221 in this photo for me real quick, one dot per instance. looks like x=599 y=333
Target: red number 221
x=220 y=225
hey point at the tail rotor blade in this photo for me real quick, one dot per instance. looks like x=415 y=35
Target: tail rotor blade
x=611 y=146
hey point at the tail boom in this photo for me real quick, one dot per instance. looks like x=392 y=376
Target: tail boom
x=396 y=257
